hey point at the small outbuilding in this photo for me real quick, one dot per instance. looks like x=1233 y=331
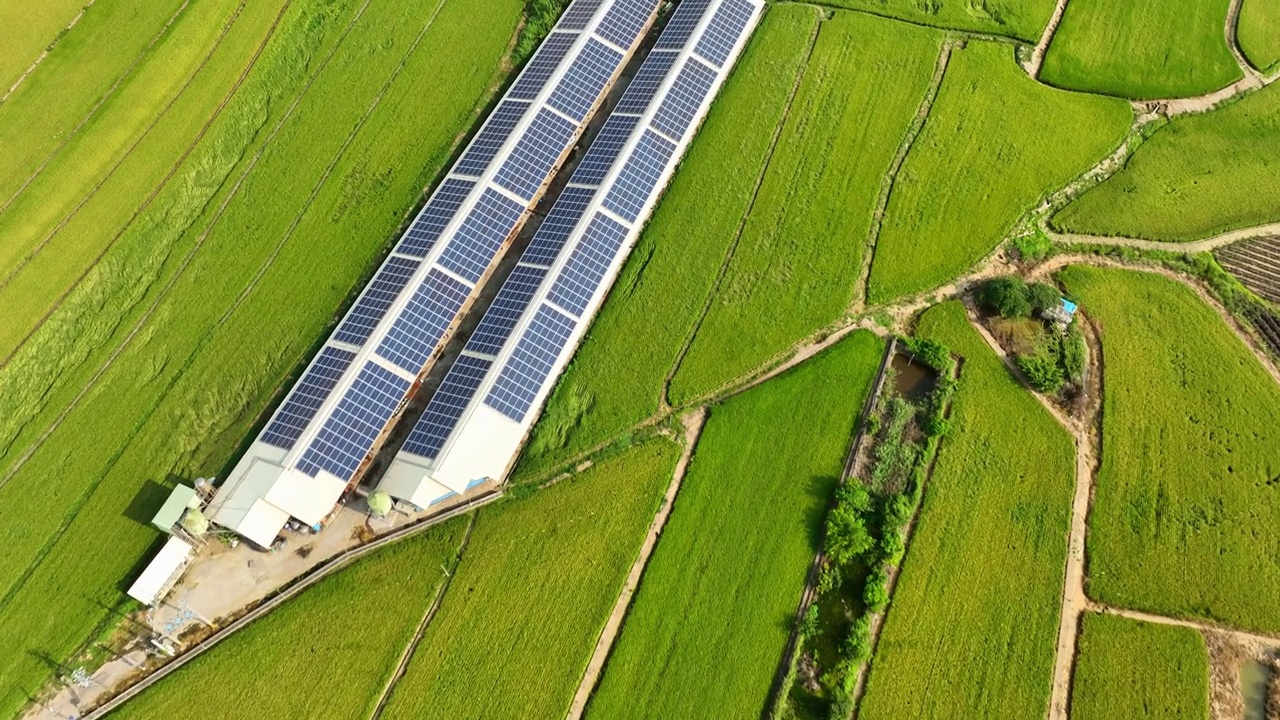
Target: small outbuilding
x=162 y=572
x=182 y=497
x=1061 y=315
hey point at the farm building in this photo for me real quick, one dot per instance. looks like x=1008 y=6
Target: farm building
x=162 y=572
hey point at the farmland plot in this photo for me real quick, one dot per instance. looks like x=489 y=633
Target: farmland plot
x=1198 y=176
x=28 y=32
x=1131 y=669
x=1185 y=510
x=994 y=144
x=615 y=379
x=707 y=626
x=1259 y=32
x=973 y=622
x=1142 y=49
x=801 y=251
x=534 y=589
x=1022 y=19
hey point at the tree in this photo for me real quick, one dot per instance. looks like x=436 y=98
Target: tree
x=1006 y=296
x=1042 y=296
x=876 y=594
x=1042 y=371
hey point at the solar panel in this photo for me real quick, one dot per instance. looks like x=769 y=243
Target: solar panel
x=624 y=20
x=682 y=24
x=723 y=31
x=491 y=137
x=542 y=66
x=377 y=297
x=507 y=308
x=433 y=219
x=478 y=238
x=605 y=149
x=560 y=222
x=418 y=329
x=646 y=82
x=531 y=160
x=585 y=79
x=581 y=275
x=686 y=94
x=579 y=14
x=635 y=184
x=349 y=433
x=307 y=396
x=446 y=406
x=530 y=363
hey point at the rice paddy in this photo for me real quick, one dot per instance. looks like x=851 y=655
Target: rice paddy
x=1128 y=668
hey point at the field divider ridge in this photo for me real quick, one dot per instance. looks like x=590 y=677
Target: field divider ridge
x=45 y=52
x=1033 y=65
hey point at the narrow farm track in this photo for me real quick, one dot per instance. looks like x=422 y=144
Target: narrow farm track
x=1231 y=31
x=45 y=53
x=1037 y=55
x=1204 y=627
x=1196 y=246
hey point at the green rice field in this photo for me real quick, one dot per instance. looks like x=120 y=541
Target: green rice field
x=28 y=33
x=1259 y=32
x=1132 y=669
x=1184 y=502
x=1021 y=19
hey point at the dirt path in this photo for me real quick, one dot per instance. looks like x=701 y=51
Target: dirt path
x=1233 y=39
x=1242 y=635
x=693 y=422
x=1196 y=246
x=1037 y=55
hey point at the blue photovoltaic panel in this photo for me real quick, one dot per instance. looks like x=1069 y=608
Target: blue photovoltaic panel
x=581 y=275
x=560 y=222
x=418 y=329
x=349 y=433
x=682 y=24
x=492 y=135
x=723 y=31
x=645 y=84
x=683 y=99
x=446 y=406
x=585 y=79
x=542 y=66
x=478 y=238
x=530 y=363
x=306 y=398
x=605 y=149
x=531 y=160
x=622 y=23
x=378 y=296
x=634 y=185
x=579 y=14
x=433 y=219
x=507 y=308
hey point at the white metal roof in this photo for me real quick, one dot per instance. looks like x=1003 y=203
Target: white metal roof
x=162 y=572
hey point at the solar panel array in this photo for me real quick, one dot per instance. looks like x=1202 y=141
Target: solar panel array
x=361 y=415
x=447 y=405
x=435 y=217
x=491 y=137
x=307 y=397
x=722 y=33
x=377 y=298
x=527 y=368
x=580 y=87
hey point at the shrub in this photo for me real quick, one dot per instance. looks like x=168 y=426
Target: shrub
x=1042 y=371
x=847 y=533
x=1042 y=296
x=1005 y=296
x=1033 y=247
x=892 y=548
x=930 y=352
x=876 y=594
x=1072 y=352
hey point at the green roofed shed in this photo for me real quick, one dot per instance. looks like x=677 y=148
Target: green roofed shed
x=182 y=497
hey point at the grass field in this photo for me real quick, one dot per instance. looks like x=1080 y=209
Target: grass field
x=1259 y=32
x=327 y=653
x=1022 y=19
x=802 y=248
x=706 y=628
x=1142 y=49
x=1131 y=669
x=973 y=623
x=28 y=33
x=661 y=289
x=1198 y=176
x=1185 y=503
x=272 y=267
x=538 y=580
x=995 y=142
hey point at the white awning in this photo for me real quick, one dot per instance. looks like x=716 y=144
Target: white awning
x=163 y=571
x=310 y=499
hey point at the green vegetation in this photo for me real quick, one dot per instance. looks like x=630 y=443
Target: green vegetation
x=995 y=142
x=28 y=31
x=974 y=619
x=1142 y=49
x=535 y=586
x=801 y=250
x=660 y=291
x=352 y=625
x=1199 y=176
x=1131 y=669
x=707 y=627
x=1049 y=358
x=1259 y=32
x=1185 y=500
x=1022 y=19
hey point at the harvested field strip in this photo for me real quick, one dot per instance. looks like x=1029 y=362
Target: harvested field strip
x=977 y=167
x=708 y=624
x=283 y=665
x=1185 y=497
x=1257 y=264
x=1020 y=19
x=175 y=401
x=27 y=32
x=1131 y=669
x=1199 y=176
x=615 y=379
x=973 y=622
x=537 y=583
x=803 y=242
x=1258 y=33
x=1142 y=49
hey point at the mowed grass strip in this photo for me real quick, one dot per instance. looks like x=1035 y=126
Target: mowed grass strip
x=1258 y=33
x=707 y=626
x=534 y=589
x=1142 y=49
x=796 y=266
x=1186 y=512
x=328 y=652
x=617 y=375
x=28 y=31
x=1199 y=176
x=1132 y=669
x=973 y=624
x=1021 y=19
x=994 y=144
